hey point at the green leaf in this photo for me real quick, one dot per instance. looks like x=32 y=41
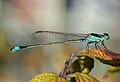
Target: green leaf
x=80 y=77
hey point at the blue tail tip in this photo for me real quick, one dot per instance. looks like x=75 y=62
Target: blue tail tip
x=16 y=48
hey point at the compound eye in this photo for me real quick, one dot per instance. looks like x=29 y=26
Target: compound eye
x=106 y=36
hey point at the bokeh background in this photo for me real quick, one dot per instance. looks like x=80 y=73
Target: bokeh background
x=20 y=18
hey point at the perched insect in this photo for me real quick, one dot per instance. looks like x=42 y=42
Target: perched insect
x=50 y=37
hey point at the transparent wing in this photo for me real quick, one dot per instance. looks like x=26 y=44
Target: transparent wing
x=45 y=37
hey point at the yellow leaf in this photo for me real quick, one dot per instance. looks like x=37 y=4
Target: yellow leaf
x=47 y=77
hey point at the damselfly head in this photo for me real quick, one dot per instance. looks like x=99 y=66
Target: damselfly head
x=106 y=36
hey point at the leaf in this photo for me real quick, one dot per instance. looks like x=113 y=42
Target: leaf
x=111 y=70
x=80 y=64
x=77 y=64
x=105 y=56
x=80 y=77
x=47 y=77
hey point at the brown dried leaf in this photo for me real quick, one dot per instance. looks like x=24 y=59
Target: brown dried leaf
x=80 y=64
x=105 y=56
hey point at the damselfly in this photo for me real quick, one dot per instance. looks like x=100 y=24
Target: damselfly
x=46 y=38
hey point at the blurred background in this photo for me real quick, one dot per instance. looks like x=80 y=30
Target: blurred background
x=20 y=18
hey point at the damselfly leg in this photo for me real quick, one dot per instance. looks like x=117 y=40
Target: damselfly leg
x=87 y=47
x=96 y=45
x=103 y=44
